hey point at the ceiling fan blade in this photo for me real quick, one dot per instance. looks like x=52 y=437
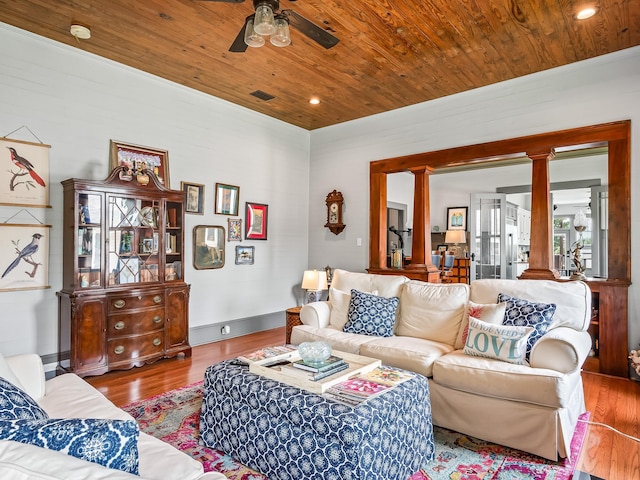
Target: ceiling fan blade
x=238 y=45
x=311 y=30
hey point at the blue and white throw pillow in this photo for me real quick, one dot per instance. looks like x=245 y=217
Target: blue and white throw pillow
x=110 y=443
x=500 y=342
x=524 y=313
x=15 y=404
x=371 y=315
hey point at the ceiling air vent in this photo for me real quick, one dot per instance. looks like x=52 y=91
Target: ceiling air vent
x=262 y=95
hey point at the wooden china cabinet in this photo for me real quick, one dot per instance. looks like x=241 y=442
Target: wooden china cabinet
x=124 y=301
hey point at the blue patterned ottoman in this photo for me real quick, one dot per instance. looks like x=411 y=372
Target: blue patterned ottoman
x=287 y=433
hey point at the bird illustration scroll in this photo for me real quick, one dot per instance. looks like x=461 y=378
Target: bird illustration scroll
x=24 y=257
x=24 y=176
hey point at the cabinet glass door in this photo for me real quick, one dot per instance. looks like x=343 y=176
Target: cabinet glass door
x=134 y=244
x=89 y=240
x=173 y=242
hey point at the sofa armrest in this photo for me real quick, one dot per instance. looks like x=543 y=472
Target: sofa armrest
x=30 y=371
x=316 y=314
x=562 y=349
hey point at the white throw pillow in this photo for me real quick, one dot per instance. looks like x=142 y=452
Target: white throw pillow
x=7 y=373
x=340 y=306
x=487 y=312
x=500 y=342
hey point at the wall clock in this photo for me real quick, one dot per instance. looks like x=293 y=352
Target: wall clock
x=334 y=203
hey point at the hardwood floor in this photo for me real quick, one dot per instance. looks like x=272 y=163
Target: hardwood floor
x=613 y=401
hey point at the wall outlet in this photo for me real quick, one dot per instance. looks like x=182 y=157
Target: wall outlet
x=225 y=330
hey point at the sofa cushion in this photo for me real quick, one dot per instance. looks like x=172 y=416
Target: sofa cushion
x=110 y=443
x=7 y=373
x=415 y=354
x=487 y=312
x=386 y=285
x=371 y=314
x=339 y=340
x=432 y=311
x=508 y=381
x=506 y=343
x=573 y=299
x=340 y=306
x=523 y=313
x=16 y=404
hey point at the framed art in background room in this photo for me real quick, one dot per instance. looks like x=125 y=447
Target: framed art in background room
x=195 y=197
x=457 y=218
x=138 y=158
x=256 y=221
x=227 y=198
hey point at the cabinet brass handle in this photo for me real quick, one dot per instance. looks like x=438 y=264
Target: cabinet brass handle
x=157 y=299
x=157 y=341
x=119 y=303
x=118 y=350
x=157 y=319
x=119 y=326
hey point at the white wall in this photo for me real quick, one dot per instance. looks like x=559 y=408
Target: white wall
x=599 y=90
x=76 y=102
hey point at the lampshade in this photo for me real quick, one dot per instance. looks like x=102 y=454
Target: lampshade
x=264 y=22
x=281 y=37
x=251 y=38
x=455 y=236
x=314 y=280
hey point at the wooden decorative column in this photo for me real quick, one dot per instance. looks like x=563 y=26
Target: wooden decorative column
x=541 y=246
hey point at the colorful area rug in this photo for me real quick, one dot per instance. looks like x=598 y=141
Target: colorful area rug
x=175 y=416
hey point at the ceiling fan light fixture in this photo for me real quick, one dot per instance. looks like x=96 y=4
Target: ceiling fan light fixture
x=314 y=101
x=251 y=38
x=281 y=37
x=80 y=31
x=264 y=23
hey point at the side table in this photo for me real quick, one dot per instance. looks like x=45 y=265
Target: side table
x=293 y=319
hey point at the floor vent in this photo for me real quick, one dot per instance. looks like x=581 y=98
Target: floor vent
x=262 y=95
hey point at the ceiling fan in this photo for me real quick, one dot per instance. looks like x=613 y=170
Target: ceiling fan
x=268 y=22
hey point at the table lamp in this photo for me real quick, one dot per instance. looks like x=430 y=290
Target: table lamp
x=314 y=282
x=455 y=237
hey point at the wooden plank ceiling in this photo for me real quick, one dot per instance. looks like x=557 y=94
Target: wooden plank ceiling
x=392 y=53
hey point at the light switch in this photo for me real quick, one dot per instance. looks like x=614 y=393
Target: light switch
x=358 y=242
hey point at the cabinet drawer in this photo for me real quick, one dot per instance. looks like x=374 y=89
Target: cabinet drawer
x=131 y=348
x=123 y=324
x=120 y=303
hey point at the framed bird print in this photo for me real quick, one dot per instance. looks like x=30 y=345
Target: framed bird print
x=24 y=173
x=24 y=256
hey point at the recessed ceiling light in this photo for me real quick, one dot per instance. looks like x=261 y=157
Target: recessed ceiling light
x=80 y=32
x=314 y=100
x=585 y=13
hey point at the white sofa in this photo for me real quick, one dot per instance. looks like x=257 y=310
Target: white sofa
x=532 y=407
x=68 y=396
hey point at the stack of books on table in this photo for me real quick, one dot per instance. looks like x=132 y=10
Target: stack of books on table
x=269 y=355
x=368 y=385
x=318 y=371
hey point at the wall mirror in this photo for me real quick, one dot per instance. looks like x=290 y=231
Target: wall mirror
x=208 y=247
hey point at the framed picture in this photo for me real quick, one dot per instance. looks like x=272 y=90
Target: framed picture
x=256 y=221
x=457 y=218
x=208 y=247
x=244 y=255
x=24 y=178
x=146 y=245
x=24 y=256
x=442 y=248
x=137 y=158
x=195 y=197
x=235 y=230
x=227 y=198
